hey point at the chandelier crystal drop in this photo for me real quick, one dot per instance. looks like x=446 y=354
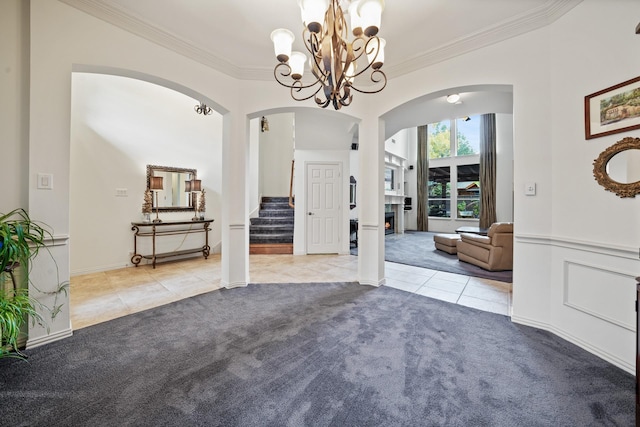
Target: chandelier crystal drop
x=335 y=62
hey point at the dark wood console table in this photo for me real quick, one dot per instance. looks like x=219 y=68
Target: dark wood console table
x=168 y=228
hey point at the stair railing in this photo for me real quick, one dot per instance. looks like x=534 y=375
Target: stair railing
x=291 y=186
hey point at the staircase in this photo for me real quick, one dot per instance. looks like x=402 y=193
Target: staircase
x=272 y=231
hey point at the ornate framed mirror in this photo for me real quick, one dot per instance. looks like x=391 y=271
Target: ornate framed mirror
x=173 y=197
x=617 y=168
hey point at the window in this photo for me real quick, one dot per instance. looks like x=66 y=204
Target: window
x=468 y=200
x=439 y=201
x=460 y=170
x=468 y=136
x=389 y=179
x=439 y=140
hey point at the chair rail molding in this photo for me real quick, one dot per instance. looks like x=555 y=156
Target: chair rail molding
x=628 y=252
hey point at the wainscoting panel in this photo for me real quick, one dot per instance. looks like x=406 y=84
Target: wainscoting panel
x=600 y=292
x=583 y=291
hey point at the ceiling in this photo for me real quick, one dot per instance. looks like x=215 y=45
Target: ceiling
x=233 y=36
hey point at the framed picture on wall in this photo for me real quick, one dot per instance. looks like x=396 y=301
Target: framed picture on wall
x=612 y=110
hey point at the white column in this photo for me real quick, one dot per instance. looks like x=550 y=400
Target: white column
x=235 y=233
x=371 y=202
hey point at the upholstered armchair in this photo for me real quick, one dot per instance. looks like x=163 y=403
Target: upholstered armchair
x=493 y=252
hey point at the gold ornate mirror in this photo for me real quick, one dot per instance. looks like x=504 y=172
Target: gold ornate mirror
x=617 y=168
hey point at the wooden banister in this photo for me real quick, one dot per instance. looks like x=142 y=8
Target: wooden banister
x=291 y=186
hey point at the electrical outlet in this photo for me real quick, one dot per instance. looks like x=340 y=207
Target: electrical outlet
x=122 y=192
x=530 y=189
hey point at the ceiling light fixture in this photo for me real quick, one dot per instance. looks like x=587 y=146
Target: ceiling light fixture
x=334 y=60
x=453 y=98
x=203 y=109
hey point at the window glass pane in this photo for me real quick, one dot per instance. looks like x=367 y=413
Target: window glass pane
x=389 y=179
x=468 y=135
x=468 y=191
x=439 y=200
x=439 y=140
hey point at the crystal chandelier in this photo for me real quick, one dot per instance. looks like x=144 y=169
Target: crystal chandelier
x=334 y=60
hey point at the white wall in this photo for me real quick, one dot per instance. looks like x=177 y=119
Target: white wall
x=595 y=234
x=276 y=153
x=323 y=130
x=398 y=144
x=504 y=167
x=119 y=126
x=253 y=174
x=14 y=103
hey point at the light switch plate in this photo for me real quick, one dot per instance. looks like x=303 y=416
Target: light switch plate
x=530 y=189
x=45 y=181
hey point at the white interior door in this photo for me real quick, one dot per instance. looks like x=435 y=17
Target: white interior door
x=323 y=208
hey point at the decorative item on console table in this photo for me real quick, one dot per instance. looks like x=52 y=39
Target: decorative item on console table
x=156 y=185
x=196 y=186
x=202 y=205
x=147 y=206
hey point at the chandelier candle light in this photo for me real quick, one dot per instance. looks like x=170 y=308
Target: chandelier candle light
x=334 y=59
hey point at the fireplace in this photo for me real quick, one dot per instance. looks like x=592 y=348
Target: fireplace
x=389 y=222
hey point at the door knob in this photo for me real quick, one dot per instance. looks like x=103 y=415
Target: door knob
x=310 y=213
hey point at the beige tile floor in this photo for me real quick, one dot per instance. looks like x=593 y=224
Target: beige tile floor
x=99 y=297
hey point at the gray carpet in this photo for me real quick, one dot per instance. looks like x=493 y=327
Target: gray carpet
x=417 y=248
x=330 y=354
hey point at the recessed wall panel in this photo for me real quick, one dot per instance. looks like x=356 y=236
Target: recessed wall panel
x=601 y=292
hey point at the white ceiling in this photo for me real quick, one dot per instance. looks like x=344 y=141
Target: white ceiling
x=233 y=36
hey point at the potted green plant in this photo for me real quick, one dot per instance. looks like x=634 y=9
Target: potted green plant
x=20 y=241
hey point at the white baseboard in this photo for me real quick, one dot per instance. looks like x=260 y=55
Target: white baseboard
x=47 y=339
x=376 y=284
x=232 y=285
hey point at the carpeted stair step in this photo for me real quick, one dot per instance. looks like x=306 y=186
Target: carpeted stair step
x=275 y=206
x=271 y=238
x=277 y=212
x=272 y=231
x=270 y=228
x=272 y=220
x=268 y=199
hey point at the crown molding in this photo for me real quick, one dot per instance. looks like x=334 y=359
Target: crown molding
x=144 y=29
x=518 y=25
x=532 y=20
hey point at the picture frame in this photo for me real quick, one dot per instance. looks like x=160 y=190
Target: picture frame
x=612 y=110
